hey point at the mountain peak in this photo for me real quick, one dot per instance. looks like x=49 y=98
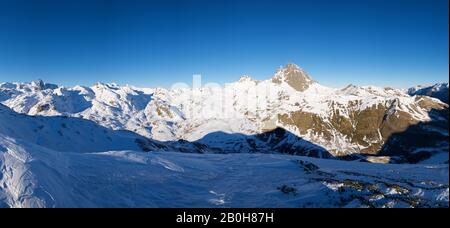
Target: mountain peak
x=38 y=84
x=292 y=66
x=246 y=78
x=294 y=76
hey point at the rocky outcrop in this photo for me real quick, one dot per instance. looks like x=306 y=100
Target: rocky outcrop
x=374 y=129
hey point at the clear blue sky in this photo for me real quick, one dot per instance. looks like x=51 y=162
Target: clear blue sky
x=156 y=43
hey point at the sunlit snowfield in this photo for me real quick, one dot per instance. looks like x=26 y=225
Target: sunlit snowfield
x=37 y=177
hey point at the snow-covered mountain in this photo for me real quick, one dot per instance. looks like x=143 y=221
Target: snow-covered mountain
x=88 y=146
x=438 y=90
x=342 y=122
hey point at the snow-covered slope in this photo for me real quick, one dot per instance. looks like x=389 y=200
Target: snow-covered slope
x=64 y=133
x=347 y=121
x=34 y=176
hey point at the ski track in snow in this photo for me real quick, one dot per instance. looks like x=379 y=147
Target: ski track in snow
x=167 y=164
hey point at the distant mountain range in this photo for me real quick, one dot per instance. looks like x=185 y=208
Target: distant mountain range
x=289 y=113
x=439 y=91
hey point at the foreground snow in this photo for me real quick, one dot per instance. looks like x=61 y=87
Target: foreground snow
x=33 y=176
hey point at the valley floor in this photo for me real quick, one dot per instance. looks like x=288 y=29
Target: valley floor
x=33 y=176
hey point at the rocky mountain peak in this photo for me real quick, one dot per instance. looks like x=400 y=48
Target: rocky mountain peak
x=38 y=85
x=294 y=76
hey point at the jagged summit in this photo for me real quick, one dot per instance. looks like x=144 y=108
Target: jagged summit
x=294 y=76
x=38 y=84
x=292 y=66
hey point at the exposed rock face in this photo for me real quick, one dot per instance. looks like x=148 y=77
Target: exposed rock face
x=294 y=76
x=373 y=129
x=38 y=85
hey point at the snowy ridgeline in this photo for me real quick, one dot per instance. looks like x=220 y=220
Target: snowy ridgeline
x=438 y=90
x=329 y=117
x=84 y=147
x=33 y=176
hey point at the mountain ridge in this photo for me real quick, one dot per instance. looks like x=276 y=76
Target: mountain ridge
x=438 y=90
x=351 y=120
x=266 y=144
